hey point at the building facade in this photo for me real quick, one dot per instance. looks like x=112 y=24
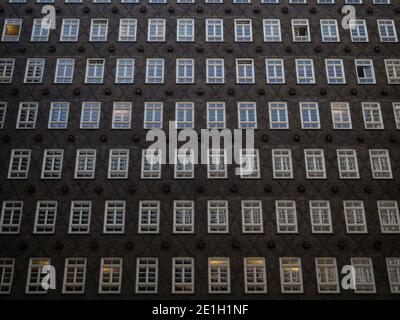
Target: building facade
x=76 y=103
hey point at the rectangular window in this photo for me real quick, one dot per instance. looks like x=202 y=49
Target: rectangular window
x=6 y=70
x=219 y=275
x=218 y=216
x=149 y=217
x=393 y=268
x=354 y=214
x=327 y=275
x=27 y=115
x=183 y=216
x=335 y=71
x=35 y=276
x=64 y=71
x=58 y=117
x=146 y=275
x=11 y=30
x=393 y=71
x=69 y=30
x=301 y=30
x=185 y=30
x=215 y=115
x=90 y=115
x=282 y=163
x=155 y=71
x=247 y=114
x=156 y=30
x=153 y=115
x=6 y=275
x=182 y=275
x=3 y=111
x=74 y=276
x=347 y=164
x=305 y=71
x=380 y=164
x=214 y=30
x=94 y=71
x=11 y=214
x=98 y=30
x=365 y=280
x=184 y=71
x=249 y=164
x=255 y=276
x=329 y=30
x=387 y=30
x=309 y=113
x=118 y=164
x=125 y=71
x=217 y=164
x=127 y=30
x=80 y=217
x=278 y=115
x=184 y=165
x=40 y=31
x=45 y=218
x=321 y=220
x=19 y=164
x=365 y=71
x=372 y=115
x=245 y=71
x=272 y=30
x=114 y=217
x=396 y=113
x=184 y=115
x=243 y=30
x=110 y=275
x=286 y=216
x=291 y=275
x=215 y=71
x=122 y=115
x=52 y=163
x=389 y=216
x=151 y=163
x=315 y=163
x=359 y=32
x=252 y=216
x=341 y=117
x=34 y=70
x=85 y=164
x=275 y=71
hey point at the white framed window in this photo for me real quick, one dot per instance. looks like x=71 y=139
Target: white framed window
x=64 y=71
x=286 y=216
x=3 y=111
x=347 y=164
x=393 y=269
x=249 y=163
x=40 y=31
x=372 y=115
x=380 y=164
x=381 y=1
x=34 y=70
x=389 y=216
x=219 y=275
x=216 y=115
x=149 y=216
x=393 y=70
x=301 y=30
x=98 y=30
x=327 y=275
x=110 y=276
x=153 y=115
x=184 y=114
x=6 y=275
x=217 y=164
x=151 y=164
x=365 y=71
x=291 y=275
x=245 y=71
x=80 y=216
x=94 y=71
x=184 y=71
x=282 y=164
x=146 y=275
x=183 y=216
x=19 y=164
x=297 y=1
x=155 y=71
x=275 y=71
x=156 y=30
x=309 y=114
x=329 y=30
x=305 y=71
x=255 y=275
x=11 y=215
x=35 y=276
x=27 y=115
x=74 y=276
x=252 y=216
x=122 y=115
x=272 y=30
x=278 y=115
x=218 y=216
x=114 y=216
x=6 y=70
x=182 y=275
x=314 y=160
x=321 y=219
x=387 y=30
x=214 y=30
x=354 y=1
x=127 y=30
x=396 y=113
x=359 y=32
x=269 y=1
x=184 y=164
x=45 y=217
x=118 y=164
x=247 y=115
x=243 y=30
x=125 y=71
x=52 y=164
x=185 y=30
x=341 y=116
x=354 y=214
x=69 y=30
x=335 y=71
x=58 y=117
x=90 y=115
x=11 y=30
x=364 y=275
x=215 y=71
x=85 y=164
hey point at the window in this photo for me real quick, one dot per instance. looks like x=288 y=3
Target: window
x=80 y=217
x=58 y=117
x=182 y=275
x=380 y=164
x=45 y=219
x=118 y=164
x=85 y=164
x=3 y=111
x=335 y=71
x=69 y=30
x=217 y=164
x=389 y=216
x=359 y=32
x=305 y=71
x=184 y=165
x=184 y=115
x=6 y=275
x=149 y=217
x=215 y=71
x=393 y=268
x=244 y=71
x=387 y=30
x=291 y=275
x=19 y=164
x=347 y=164
x=354 y=214
x=282 y=163
x=153 y=114
x=286 y=216
x=393 y=71
x=6 y=70
x=114 y=217
x=183 y=216
x=329 y=30
x=219 y=275
x=185 y=30
x=127 y=30
x=255 y=277
x=11 y=214
x=35 y=276
x=278 y=115
x=11 y=30
x=34 y=70
x=249 y=163
x=309 y=114
x=52 y=163
x=184 y=71
x=151 y=164
x=218 y=220
x=272 y=30
x=275 y=71
x=74 y=276
x=315 y=163
x=122 y=115
x=301 y=30
x=90 y=115
x=125 y=71
x=214 y=30
x=252 y=216
x=320 y=212
x=156 y=30
x=155 y=71
x=40 y=31
x=396 y=111
x=372 y=115
x=110 y=275
x=327 y=275
x=146 y=275
x=64 y=71
x=215 y=115
x=98 y=30
x=247 y=113
x=27 y=114
x=243 y=30
x=365 y=71
x=365 y=281
x=94 y=71
x=341 y=117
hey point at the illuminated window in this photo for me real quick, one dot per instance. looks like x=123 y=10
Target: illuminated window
x=35 y=276
x=182 y=275
x=12 y=30
x=291 y=275
x=122 y=115
x=255 y=277
x=219 y=275
x=110 y=275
